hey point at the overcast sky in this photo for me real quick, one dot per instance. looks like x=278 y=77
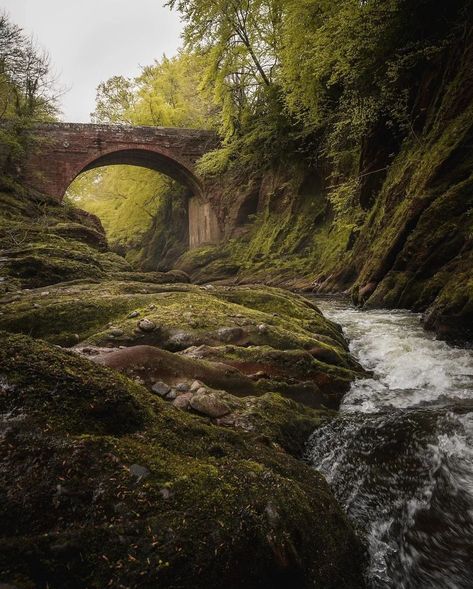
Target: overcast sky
x=91 y=40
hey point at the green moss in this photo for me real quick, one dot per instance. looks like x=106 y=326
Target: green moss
x=184 y=316
x=317 y=379
x=44 y=243
x=74 y=514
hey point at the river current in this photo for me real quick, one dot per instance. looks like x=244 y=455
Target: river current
x=400 y=455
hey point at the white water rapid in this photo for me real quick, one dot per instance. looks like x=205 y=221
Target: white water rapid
x=400 y=455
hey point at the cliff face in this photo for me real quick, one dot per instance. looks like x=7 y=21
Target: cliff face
x=397 y=234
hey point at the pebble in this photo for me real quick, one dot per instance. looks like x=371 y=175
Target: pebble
x=195 y=385
x=147 y=325
x=229 y=334
x=209 y=405
x=263 y=328
x=182 y=387
x=116 y=332
x=133 y=315
x=161 y=388
x=182 y=402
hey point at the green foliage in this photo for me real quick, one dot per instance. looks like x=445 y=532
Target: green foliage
x=240 y=41
x=165 y=94
x=115 y=99
x=27 y=95
x=139 y=209
x=168 y=94
x=26 y=85
x=355 y=68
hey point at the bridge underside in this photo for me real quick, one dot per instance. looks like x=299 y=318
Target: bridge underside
x=150 y=160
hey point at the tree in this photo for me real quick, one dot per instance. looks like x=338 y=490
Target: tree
x=240 y=41
x=27 y=87
x=115 y=100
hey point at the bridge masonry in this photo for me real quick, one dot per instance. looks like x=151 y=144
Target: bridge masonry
x=62 y=151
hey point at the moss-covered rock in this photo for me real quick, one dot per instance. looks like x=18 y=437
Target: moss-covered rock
x=43 y=242
x=296 y=374
x=279 y=340
x=103 y=484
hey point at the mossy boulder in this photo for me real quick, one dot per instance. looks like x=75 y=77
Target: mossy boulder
x=297 y=374
x=43 y=242
x=208 y=264
x=255 y=330
x=104 y=484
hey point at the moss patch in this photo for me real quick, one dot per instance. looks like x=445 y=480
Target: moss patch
x=86 y=506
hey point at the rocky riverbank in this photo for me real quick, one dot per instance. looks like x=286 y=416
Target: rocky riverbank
x=151 y=429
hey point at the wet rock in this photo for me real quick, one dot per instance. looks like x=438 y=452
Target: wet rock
x=147 y=325
x=209 y=405
x=326 y=355
x=161 y=388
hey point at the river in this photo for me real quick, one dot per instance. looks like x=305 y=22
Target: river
x=400 y=455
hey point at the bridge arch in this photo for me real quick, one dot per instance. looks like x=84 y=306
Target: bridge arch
x=64 y=150
x=143 y=157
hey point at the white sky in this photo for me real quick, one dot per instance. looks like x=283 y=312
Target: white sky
x=91 y=40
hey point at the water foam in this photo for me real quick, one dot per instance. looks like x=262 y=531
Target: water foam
x=400 y=456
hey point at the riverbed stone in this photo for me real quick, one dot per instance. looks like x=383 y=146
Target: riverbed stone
x=161 y=389
x=209 y=405
x=146 y=325
x=183 y=401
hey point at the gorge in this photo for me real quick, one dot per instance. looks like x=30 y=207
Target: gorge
x=236 y=308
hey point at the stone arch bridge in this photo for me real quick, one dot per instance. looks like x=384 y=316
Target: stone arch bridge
x=62 y=151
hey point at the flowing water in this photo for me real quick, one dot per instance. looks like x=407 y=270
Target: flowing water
x=400 y=455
